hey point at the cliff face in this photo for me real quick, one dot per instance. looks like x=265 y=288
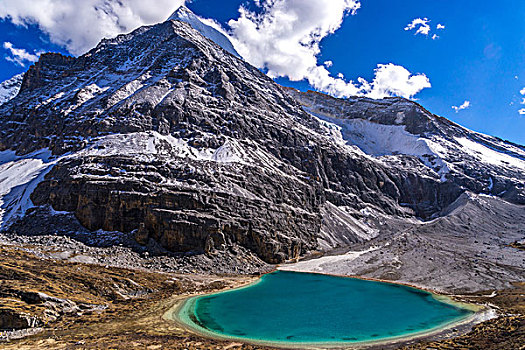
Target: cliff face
x=163 y=133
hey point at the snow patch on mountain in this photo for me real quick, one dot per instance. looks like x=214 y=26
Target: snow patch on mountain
x=150 y=145
x=89 y=92
x=10 y=88
x=385 y=140
x=185 y=15
x=488 y=155
x=129 y=89
x=332 y=130
x=326 y=263
x=230 y=152
x=19 y=176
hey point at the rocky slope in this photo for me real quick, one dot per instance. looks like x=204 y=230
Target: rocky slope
x=467 y=250
x=166 y=135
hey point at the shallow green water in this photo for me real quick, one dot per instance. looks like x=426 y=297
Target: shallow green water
x=310 y=308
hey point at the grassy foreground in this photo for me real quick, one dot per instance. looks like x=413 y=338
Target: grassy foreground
x=81 y=306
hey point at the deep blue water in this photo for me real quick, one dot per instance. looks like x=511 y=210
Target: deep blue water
x=312 y=308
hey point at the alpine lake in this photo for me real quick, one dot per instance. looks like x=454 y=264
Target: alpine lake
x=292 y=309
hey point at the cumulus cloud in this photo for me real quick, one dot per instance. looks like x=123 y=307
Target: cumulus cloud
x=393 y=80
x=464 y=105
x=522 y=111
x=284 y=37
x=19 y=56
x=79 y=25
x=420 y=24
x=287 y=33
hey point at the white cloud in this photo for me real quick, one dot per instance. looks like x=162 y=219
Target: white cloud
x=284 y=40
x=393 y=80
x=421 y=24
x=328 y=64
x=19 y=56
x=465 y=105
x=522 y=111
x=79 y=25
x=287 y=33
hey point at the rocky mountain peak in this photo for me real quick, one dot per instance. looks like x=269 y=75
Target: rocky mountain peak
x=45 y=69
x=184 y=14
x=182 y=11
x=164 y=134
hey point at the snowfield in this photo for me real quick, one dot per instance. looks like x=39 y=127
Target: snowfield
x=19 y=176
x=490 y=156
x=379 y=140
x=10 y=88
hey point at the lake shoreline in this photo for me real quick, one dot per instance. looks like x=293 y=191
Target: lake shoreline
x=451 y=329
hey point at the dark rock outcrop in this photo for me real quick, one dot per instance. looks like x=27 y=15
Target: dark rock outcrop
x=12 y=320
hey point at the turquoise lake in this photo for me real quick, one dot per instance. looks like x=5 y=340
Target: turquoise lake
x=291 y=307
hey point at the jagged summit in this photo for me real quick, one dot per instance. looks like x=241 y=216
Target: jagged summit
x=184 y=14
x=181 y=12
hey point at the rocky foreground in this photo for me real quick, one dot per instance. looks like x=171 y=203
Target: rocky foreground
x=85 y=306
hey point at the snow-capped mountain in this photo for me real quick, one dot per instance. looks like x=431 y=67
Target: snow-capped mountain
x=164 y=134
x=10 y=88
x=186 y=15
x=391 y=128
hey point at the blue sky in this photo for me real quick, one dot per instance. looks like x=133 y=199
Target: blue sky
x=479 y=56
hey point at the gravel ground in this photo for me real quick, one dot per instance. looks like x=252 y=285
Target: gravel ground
x=471 y=249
